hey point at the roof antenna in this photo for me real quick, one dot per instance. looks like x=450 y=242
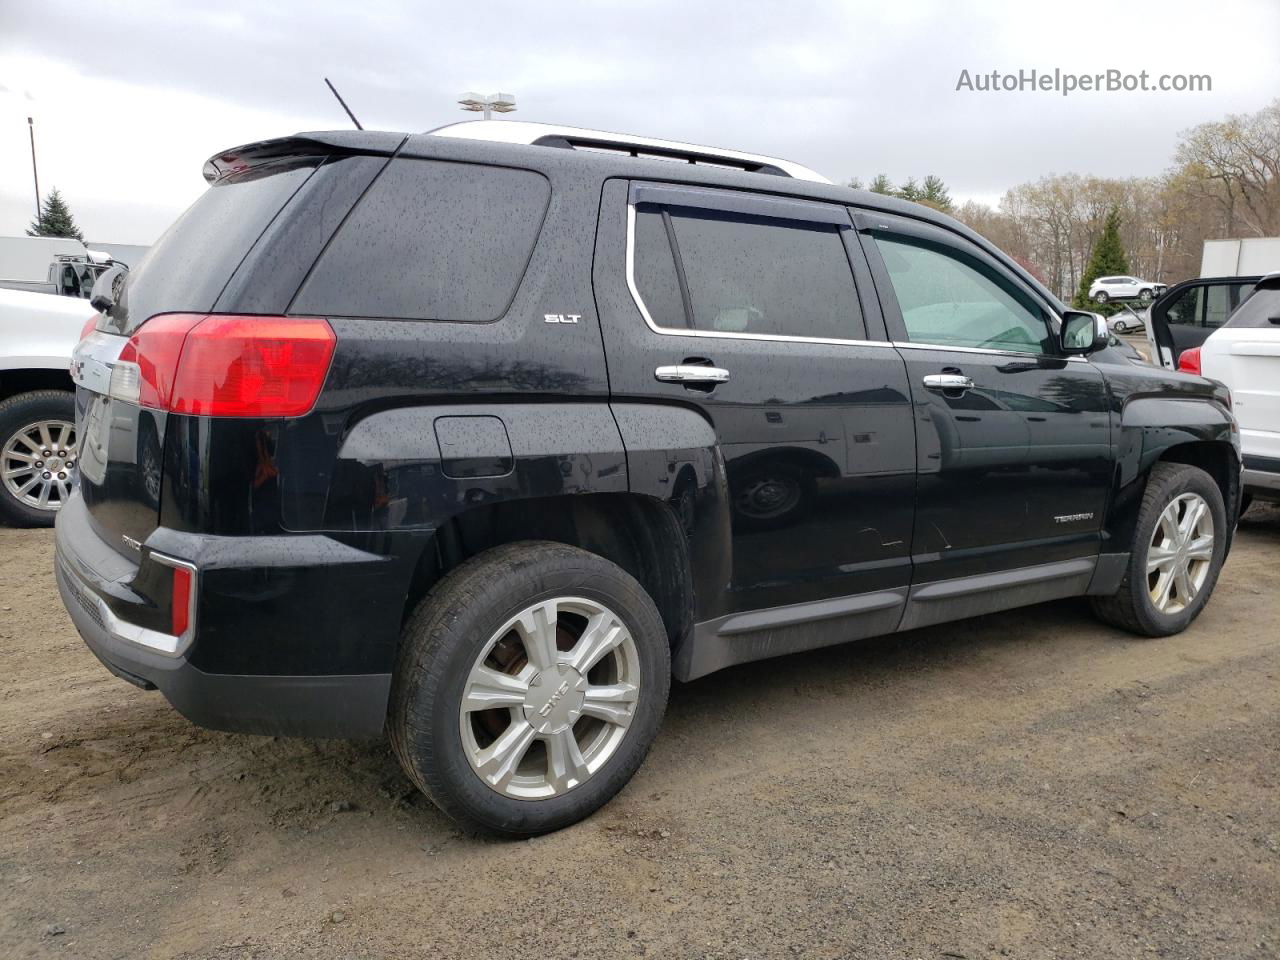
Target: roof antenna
x=344 y=104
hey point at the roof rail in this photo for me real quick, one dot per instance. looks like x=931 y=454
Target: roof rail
x=576 y=138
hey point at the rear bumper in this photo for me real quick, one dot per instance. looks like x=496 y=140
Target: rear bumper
x=1261 y=477
x=98 y=589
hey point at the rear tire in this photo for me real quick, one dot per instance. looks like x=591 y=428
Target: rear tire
x=1156 y=572
x=511 y=768
x=21 y=480
x=1101 y=296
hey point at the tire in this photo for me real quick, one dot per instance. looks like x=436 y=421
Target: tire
x=1132 y=607
x=461 y=627
x=20 y=417
x=1101 y=296
x=1144 y=295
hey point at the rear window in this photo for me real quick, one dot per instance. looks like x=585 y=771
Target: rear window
x=1260 y=308
x=431 y=240
x=188 y=267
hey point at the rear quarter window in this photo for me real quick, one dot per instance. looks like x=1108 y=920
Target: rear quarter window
x=431 y=240
x=188 y=267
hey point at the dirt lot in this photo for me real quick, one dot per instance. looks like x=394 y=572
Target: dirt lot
x=1027 y=785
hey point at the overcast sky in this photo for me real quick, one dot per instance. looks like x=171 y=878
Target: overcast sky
x=130 y=98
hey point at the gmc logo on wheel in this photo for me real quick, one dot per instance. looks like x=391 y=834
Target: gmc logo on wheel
x=555 y=698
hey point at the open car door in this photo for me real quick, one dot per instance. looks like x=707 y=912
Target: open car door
x=1187 y=313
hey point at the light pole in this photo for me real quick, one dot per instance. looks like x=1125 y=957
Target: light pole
x=491 y=103
x=31 y=128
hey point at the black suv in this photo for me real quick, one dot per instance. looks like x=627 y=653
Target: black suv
x=482 y=442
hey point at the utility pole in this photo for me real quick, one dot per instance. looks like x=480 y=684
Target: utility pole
x=35 y=175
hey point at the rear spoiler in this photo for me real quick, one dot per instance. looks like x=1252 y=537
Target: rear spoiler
x=328 y=143
x=1270 y=282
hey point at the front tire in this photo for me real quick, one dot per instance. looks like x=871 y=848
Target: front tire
x=1177 y=553
x=1144 y=295
x=1101 y=296
x=37 y=456
x=530 y=684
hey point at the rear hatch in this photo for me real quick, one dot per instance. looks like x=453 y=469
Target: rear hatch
x=243 y=248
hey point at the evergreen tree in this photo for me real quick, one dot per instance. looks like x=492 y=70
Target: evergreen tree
x=934 y=193
x=1107 y=259
x=881 y=184
x=909 y=190
x=55 y=219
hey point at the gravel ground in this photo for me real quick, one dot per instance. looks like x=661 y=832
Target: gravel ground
x=1029 y=784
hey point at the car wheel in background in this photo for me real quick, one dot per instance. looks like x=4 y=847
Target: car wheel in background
x=529 y=686
x=1101 y=296
x=37 y=456
x=1144 y=295
x=1176 y=555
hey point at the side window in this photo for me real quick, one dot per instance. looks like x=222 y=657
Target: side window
x=748 y=274
x=655 y=269
x=949 y=300
x=1185 y=309
x=1217 y=306
x=431 y=240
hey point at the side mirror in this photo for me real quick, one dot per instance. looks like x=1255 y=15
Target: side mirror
x=103 y=298
x=1083 y=332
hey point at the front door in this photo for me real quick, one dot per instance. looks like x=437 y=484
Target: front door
x=1013 y=438
x=749 y=309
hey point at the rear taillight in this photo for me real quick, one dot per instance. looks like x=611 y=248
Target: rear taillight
x=149 y=361
x=230 y=366
x=1189 y=360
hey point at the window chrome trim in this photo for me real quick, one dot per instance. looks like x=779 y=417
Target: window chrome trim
x=991 y=351
x=716 y=335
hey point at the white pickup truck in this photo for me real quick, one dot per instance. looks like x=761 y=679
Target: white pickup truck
x=38 y=331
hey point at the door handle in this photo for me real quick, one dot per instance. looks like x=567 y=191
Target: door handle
x=948 y=381
x=691 y=373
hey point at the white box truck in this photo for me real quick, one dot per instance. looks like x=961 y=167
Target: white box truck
x=1248 y=257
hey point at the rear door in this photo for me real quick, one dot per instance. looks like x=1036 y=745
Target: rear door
x=811 y=413
x=1013 y=439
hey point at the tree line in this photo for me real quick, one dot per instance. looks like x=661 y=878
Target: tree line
x=1224 y=181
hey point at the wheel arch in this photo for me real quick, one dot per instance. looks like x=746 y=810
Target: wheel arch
x=29 y=379
x=1192 y=431
x=642 y=535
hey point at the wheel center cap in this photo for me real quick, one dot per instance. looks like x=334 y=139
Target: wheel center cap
x=555 y=698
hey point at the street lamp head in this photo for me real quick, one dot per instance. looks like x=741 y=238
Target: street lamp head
x=486 y=103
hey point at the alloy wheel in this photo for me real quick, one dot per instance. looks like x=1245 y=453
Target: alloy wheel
x=1180 y=554
x=36 y=464
x=550 y=698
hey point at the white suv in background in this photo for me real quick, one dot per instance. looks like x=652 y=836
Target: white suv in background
x=1105 y=289
x=38 y=447
x=1244 y=353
